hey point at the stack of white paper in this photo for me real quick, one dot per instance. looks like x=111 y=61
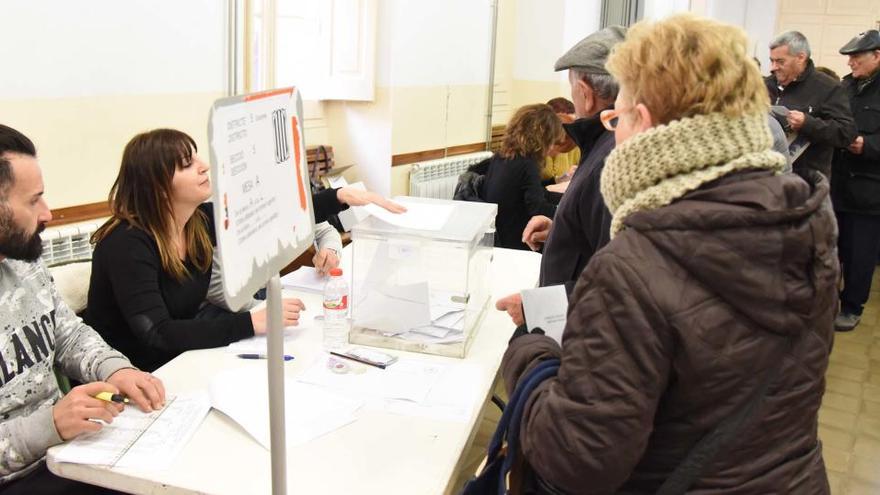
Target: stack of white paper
x=418 y=216
x=405 y=379
x=309 y=412
x=419 y=314
x=304 y=278
x=408 y=387
x=258 y=344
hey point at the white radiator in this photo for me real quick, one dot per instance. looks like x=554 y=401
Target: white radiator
x=67 y=243
x=437 y=178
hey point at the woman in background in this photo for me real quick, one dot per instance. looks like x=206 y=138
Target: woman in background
x=562 y=160
x=513 y=180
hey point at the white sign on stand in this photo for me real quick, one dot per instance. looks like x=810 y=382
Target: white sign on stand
x=263 y=217
x=263 y=201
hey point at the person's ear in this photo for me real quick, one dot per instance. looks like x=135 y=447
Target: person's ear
x=646 y=120
x=589 y=96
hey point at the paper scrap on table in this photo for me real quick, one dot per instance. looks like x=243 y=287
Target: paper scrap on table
x=304 y=278
x=394 y=309
x=418 y=216
x=453 y=397
x=405 y=379
x=309 y=412
x=141 y=440
x=546 y=308
x=258 y=344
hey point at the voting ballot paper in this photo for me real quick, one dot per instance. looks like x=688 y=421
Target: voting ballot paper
x=546 y=308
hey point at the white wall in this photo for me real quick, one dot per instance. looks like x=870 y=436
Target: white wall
x=82 y=78
x=756 y=17
x=658 y=9
x=437 y=42
x=59 y=48
x=545 y=29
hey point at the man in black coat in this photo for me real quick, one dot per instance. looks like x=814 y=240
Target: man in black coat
x=818 y=109
x=582 y=222
x=855 y=186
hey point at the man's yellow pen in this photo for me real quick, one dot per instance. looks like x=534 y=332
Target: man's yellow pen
x=108 y=397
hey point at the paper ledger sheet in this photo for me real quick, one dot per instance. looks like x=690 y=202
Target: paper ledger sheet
x=138 y=439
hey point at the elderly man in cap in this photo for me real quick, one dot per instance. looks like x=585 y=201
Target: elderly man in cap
x=582 y=221
x=855 y=186
x=817 y=106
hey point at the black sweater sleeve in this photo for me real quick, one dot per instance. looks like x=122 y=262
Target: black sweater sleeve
x=326 y=205
x=133 y=268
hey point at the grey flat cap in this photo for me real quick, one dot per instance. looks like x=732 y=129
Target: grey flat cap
x=590 y=54
x=869 y=40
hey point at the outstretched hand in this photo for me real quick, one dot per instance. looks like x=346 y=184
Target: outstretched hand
x=357 y=197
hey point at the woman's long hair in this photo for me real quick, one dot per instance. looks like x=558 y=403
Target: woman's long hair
x=141 y=196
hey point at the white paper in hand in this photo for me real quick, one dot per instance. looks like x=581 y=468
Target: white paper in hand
x=546 y=308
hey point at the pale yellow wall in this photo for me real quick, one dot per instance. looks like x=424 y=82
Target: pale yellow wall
x=418 y=115
x=400 y=180
x=437 y=117
x=360 y=133
x=80 y=140
x=528 y=92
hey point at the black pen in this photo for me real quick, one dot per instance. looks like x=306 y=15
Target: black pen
x=359 y=360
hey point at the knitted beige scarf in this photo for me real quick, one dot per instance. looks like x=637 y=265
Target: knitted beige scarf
x=656 y=167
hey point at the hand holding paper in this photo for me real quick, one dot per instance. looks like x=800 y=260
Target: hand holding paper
x=546 y=308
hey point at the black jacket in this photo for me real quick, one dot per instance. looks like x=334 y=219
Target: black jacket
x=144 y=312
x=856 y=178
x=515 y=186
x=582 y=223
x=828 y=123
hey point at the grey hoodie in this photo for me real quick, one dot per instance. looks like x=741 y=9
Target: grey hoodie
x=37 y=333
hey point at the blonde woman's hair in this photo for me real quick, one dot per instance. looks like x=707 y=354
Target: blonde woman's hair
x=531 y=132
x=685 y=66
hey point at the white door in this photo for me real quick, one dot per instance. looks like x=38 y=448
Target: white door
x=828 y=25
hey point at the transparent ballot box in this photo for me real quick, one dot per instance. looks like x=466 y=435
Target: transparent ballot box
x=421 y=283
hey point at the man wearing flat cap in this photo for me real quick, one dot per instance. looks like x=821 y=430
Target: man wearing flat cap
x=855 y=184
x=582 y=222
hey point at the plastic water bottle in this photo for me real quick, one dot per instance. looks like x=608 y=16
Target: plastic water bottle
x=336 y=323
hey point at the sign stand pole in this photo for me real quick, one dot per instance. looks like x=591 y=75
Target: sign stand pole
x=275 y=367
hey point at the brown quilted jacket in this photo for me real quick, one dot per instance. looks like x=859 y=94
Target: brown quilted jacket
x=670 y=328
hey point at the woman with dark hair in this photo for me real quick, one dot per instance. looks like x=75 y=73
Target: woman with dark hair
x=152 y=262
x=513 y=180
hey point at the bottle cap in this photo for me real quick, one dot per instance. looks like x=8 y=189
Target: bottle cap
x=336 y=272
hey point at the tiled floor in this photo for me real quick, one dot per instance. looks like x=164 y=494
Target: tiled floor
x=849 y=420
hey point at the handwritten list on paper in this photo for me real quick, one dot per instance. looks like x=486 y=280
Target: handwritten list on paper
x=138 y=439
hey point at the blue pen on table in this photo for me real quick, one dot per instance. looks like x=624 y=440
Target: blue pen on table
x=287 y=357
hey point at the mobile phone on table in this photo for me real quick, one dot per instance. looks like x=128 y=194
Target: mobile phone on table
x=370 y=356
